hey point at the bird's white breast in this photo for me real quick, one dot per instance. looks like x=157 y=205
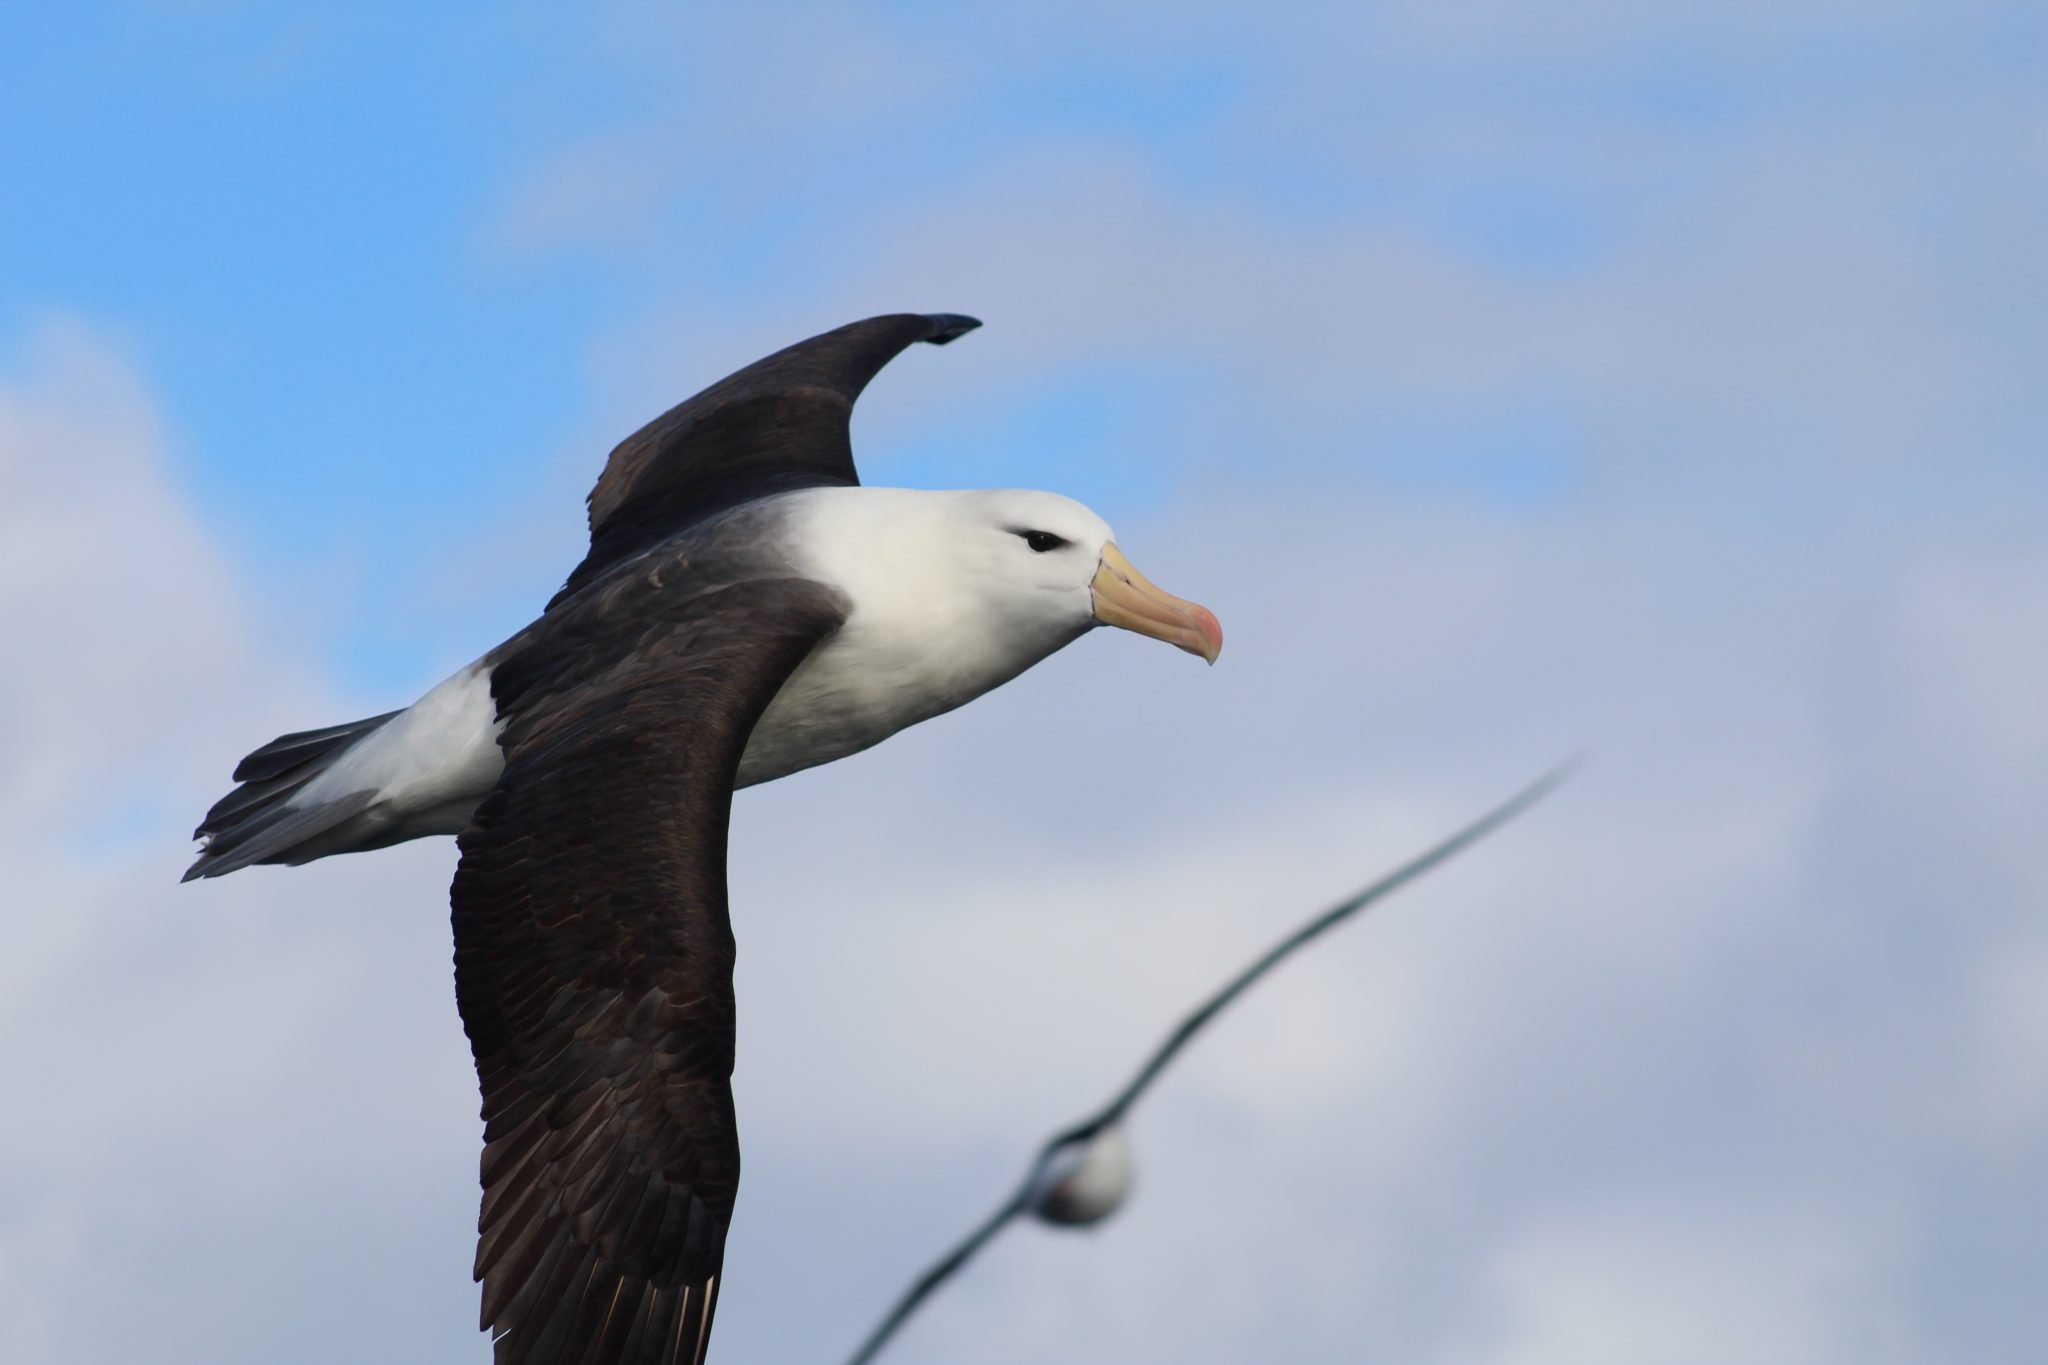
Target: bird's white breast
x=861 y=686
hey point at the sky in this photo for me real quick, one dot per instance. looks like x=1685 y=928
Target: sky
x=1652 y=380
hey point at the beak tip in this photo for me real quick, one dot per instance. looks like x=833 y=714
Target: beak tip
x=1212 y=634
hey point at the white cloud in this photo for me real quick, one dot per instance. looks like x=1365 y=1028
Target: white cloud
x=1690 y=1283
x=196 y=1111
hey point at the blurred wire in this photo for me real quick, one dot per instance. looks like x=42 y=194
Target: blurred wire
x=1083 y=1173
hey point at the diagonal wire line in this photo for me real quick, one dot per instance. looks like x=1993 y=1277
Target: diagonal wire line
x=1185 y=1031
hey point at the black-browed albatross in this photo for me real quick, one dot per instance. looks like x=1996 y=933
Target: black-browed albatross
x=746 y=610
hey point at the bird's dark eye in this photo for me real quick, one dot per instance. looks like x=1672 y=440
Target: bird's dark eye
x=1041 y=541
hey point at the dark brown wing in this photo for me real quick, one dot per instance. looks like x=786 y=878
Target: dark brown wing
x=593 y=963
x=777 y=425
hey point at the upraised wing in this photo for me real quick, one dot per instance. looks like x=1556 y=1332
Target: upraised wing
x=779 y=424
x=593 y=962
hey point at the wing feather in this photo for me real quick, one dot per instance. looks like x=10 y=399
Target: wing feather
x=779 y=424
x=593 y=962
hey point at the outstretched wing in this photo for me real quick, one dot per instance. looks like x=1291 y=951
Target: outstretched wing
x=777 y=425
x=593 y=962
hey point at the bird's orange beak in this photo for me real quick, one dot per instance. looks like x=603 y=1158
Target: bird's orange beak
x=1124 y=597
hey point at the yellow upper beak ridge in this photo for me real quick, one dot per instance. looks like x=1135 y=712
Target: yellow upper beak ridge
x=1124 y=597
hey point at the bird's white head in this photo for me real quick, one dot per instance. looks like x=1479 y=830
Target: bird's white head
x=1006 y=574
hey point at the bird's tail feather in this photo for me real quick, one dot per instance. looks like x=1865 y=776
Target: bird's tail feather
x=258 y=822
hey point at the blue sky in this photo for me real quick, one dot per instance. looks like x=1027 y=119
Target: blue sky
x=374 y=252
x=1651 y=378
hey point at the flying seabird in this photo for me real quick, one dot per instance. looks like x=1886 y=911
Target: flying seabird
x=1083 y=1173
x=746 y=610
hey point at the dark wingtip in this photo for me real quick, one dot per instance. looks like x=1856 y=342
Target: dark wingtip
x=946 y=326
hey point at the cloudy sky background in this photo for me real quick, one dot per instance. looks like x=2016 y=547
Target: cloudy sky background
x=1660 y=380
